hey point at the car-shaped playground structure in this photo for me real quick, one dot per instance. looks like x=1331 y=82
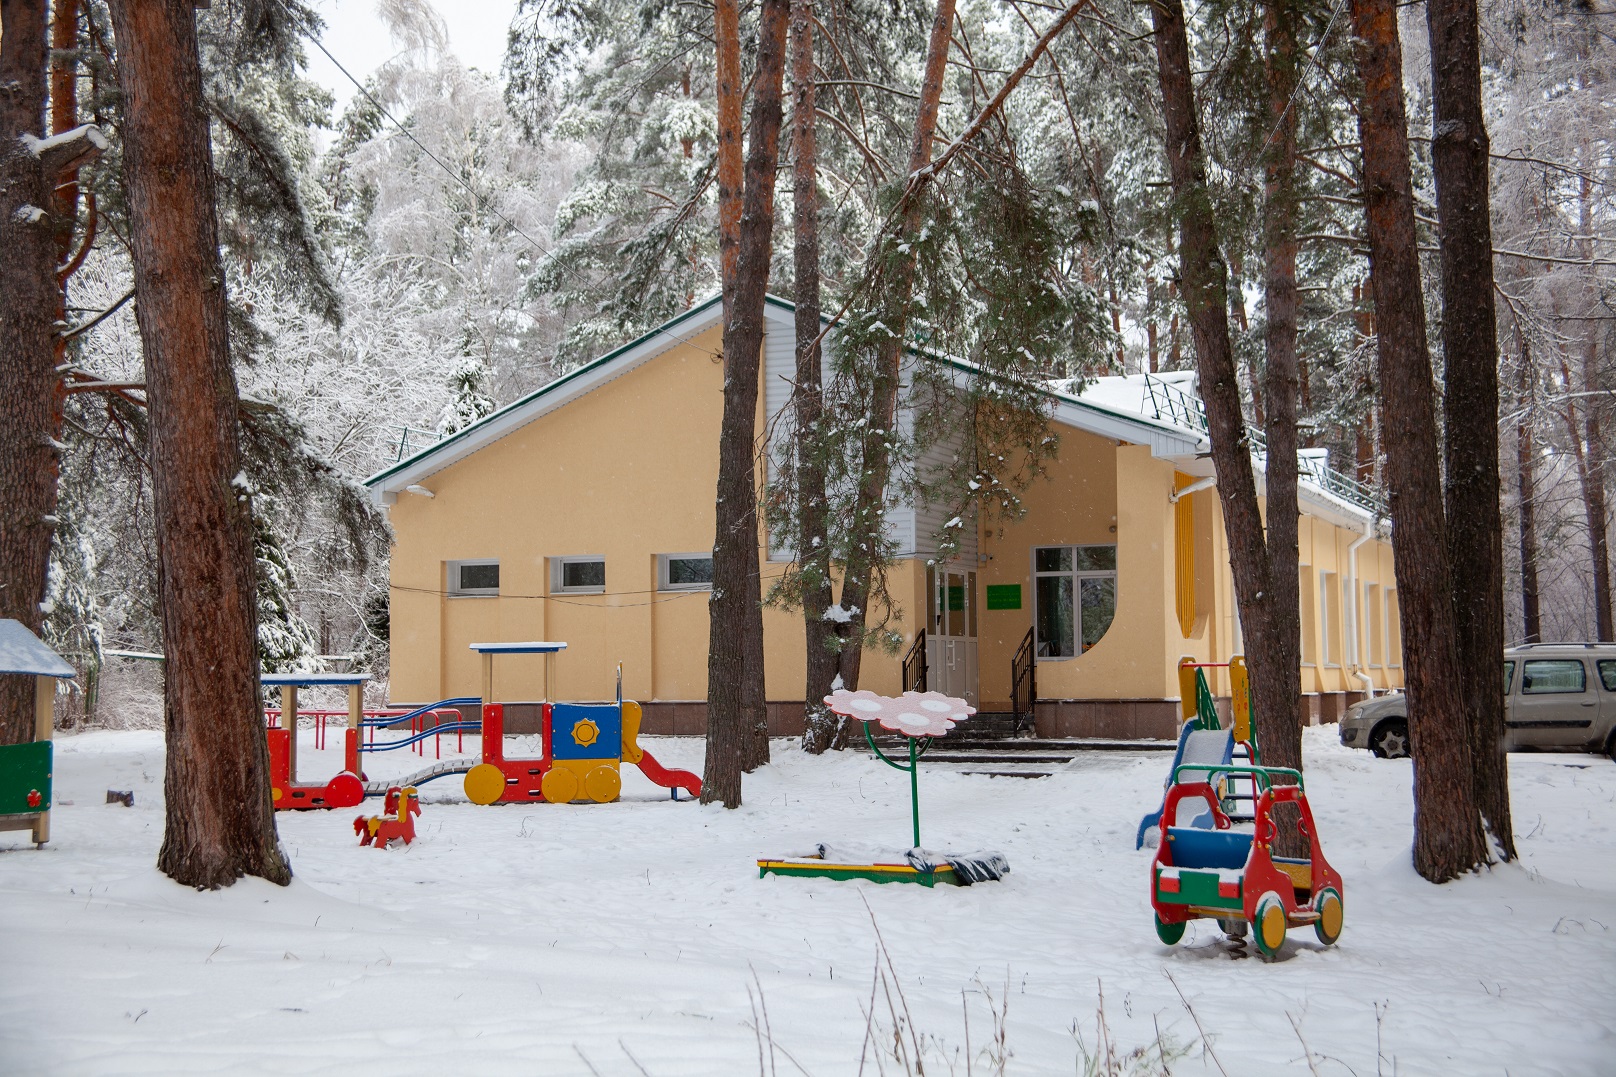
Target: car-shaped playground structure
x=1234 y=876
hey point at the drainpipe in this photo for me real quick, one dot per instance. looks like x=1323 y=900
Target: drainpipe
x=1194 y=487
x=1352 y=610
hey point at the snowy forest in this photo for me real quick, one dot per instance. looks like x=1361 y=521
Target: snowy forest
x=1365 y=249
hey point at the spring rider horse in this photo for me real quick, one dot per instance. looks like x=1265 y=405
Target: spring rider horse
x=398 y=822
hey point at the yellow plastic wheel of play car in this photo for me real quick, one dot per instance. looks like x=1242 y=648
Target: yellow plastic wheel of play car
x=585 y=732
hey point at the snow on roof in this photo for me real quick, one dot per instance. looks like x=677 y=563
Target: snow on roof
x=22 y=652
x=1130 y=392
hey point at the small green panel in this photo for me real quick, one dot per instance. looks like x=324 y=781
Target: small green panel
x=1004 y=596
x=1197 y=888
x=25 y=774
x=956 y=597
x=1200 y=888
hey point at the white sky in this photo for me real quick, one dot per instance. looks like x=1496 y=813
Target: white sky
x=358 y=38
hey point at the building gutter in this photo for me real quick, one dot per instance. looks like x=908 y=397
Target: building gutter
x=1354 y=610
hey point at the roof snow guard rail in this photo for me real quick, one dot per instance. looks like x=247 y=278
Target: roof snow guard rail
x=1173 y=405
x=423 y=439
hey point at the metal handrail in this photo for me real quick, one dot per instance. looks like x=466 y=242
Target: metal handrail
x=432 y=438
x=916 y=672
x=1024 y=668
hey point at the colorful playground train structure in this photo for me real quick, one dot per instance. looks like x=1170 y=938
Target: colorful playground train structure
x=584 y=745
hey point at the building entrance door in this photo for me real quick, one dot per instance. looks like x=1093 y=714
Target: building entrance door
x=951 y=631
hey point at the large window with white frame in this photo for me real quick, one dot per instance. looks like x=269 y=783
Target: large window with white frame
x=1074 y=597
x=578 y=575
x=685 y=572
x=473 y=579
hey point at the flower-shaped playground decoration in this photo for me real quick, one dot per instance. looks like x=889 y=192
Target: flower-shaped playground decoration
x=917 y=715
x=914 y=714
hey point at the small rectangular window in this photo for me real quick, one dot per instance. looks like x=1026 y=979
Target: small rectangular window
x=1607 y=674
x=468 y=579
x=685 y=572
x=1553 y=676
x=578 y=574
x=1509 y=675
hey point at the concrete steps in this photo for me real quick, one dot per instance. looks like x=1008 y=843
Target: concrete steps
x=988 y=745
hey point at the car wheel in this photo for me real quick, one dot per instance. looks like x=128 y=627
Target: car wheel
x=1610 y=747
x=1390 y=739
x=1269 y=928
x=1169 y=933
x=1328 y=925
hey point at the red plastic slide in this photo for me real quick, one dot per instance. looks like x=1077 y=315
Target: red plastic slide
x=668 y=779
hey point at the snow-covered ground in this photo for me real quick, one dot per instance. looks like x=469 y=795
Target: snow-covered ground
x=636 y=937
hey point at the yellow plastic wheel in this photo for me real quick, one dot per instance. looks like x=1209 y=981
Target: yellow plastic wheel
x=559 y=786
x=485 y=783
x=603 y=784
x=1269 y=927
x=1328 y=926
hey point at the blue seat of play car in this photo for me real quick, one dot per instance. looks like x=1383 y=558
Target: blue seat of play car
x=1196 y=848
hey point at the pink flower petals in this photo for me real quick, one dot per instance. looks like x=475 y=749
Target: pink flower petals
x=914 y=714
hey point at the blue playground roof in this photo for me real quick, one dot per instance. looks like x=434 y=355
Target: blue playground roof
x=537 y=647
x=22 y=652
x=312 y=680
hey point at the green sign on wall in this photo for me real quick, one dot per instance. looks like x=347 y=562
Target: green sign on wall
x=1004 y=596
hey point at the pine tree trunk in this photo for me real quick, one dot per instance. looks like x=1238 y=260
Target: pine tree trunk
x=1584 y=435
x=734 y=684
x=1470 y=397
x=754 y=701
x=730 y=94
x=29 y=461
x=1526 y=468
x=820 y=726
x=1277 y=676
x=869 y=508
x=1447 y=826
x=1593 y=464
x=219 y=824
x=1204 y=285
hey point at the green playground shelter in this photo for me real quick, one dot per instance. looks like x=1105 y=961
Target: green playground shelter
x=25 y=769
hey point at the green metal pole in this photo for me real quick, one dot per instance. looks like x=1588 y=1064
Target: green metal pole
x=914 y=788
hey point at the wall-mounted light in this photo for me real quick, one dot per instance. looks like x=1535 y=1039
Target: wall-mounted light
x=416 y=488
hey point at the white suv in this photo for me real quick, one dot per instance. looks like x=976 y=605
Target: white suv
x=1557 y=697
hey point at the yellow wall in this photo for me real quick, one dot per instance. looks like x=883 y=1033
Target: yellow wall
x=576 y=481
x=581 y=480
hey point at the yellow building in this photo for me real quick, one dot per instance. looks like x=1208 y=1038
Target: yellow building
x=584 y=513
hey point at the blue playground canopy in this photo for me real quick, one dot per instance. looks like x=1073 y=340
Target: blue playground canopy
x=535 y=647
x=312 y=680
